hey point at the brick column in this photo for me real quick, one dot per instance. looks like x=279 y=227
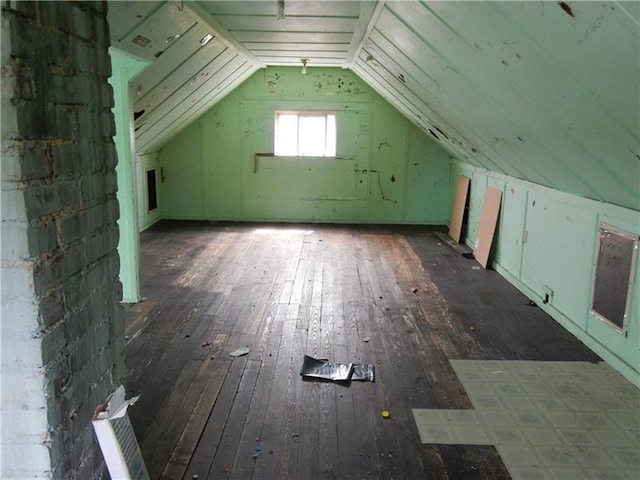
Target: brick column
x=62 y=326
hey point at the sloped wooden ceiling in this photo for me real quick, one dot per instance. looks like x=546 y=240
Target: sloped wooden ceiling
x=544 y=91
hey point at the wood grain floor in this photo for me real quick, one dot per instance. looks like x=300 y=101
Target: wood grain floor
x=396 y=297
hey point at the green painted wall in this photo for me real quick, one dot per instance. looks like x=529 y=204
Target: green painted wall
x=124 y=67
x=385 y=170
x=558 y=251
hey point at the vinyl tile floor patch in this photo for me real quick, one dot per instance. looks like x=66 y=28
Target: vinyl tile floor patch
x=548 y=420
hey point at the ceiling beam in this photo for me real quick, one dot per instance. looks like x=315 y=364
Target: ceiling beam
x=222 y=33
x=369 y=13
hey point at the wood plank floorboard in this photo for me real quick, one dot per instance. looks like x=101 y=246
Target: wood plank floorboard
x=395 y=297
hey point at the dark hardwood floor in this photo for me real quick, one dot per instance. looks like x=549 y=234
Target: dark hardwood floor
x=395 y=297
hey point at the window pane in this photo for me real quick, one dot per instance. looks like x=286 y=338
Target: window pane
x=286 y=141
x=312 y=136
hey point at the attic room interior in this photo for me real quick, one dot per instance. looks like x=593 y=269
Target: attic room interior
x=198 y=196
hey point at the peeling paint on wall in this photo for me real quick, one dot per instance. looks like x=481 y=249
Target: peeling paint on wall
x=567 y=9
x=593 y=27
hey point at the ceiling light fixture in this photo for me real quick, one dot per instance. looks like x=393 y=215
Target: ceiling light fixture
x=206 y=39
x=280 y=10
x=304 y=65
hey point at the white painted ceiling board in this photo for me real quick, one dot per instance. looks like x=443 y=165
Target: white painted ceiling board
x=423 y=99
x=498 y=160
x=189 y=101
x=543 y=91
x=407 y=103
x=294 y=37
x=160 y=29
x=256 y=47
x=220 y=31
x=238 y=73
x=586 y=31
x=127 y=16
x=553 y=95
x=268 y=23
x=335 y=55
x=180 y=53
x=486 y=91
x=198 y=66
x=303 y=22
x=467 y=115
x=287 y=61
x=292 y=8
x=174 y=105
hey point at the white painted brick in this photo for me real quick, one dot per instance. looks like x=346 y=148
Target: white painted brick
x=12 y=204
x=24 y=425
x=14 y=241
x=10 y=165
x=23 y=358
x=21 y=392
x=16 y=466
x=17 y=283
x=19 y=318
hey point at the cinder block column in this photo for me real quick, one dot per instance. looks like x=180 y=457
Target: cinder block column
x=62 y=337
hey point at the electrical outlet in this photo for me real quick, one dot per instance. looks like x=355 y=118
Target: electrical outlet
x=547 y=296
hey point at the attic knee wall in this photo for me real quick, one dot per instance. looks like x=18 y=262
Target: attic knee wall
x=62 y=323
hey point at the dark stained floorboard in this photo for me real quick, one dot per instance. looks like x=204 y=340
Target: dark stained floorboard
x=396 y=297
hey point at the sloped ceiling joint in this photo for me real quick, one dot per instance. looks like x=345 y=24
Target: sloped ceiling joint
x=369 y=13
x=203 y=16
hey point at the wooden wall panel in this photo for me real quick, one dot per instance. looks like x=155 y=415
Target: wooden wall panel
x=488 y=222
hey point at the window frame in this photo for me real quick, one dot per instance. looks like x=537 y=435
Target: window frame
x=596 y=307
x=301 y=113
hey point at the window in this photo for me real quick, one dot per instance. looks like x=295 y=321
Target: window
x=305 y=134
x=613 y=275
